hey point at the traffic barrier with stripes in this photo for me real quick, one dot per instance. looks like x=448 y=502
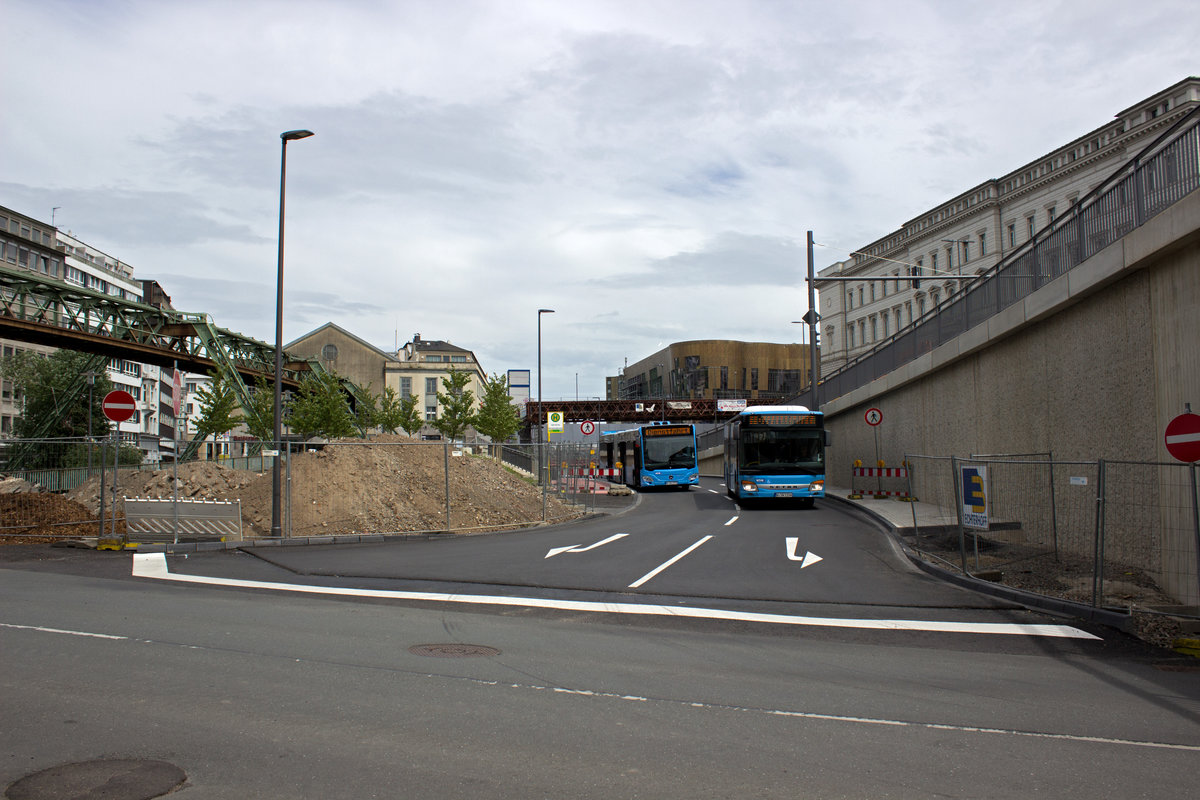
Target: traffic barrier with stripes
x=879 y=473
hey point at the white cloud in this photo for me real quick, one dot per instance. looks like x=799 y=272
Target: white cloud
x=647 y=169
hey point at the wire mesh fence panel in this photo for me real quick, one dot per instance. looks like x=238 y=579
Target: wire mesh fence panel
x=1149 y=533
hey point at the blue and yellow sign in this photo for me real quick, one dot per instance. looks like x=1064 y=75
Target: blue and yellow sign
x=974 y=498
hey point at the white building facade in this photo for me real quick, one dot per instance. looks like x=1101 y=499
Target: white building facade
x=970 y=233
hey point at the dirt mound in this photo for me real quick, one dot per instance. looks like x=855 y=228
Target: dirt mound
x=38 y=517
x=388 y=485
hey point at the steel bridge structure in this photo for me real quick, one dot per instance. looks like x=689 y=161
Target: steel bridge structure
x=38 y=309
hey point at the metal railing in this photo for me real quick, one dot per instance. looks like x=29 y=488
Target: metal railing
x=1158 y=177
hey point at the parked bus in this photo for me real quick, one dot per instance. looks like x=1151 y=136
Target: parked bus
x=776 y=452
x=660 y=454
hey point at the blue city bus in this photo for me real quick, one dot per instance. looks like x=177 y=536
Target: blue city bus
x=774 y=452
x=660 y=454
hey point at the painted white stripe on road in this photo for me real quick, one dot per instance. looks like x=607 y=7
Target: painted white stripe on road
x=59 y=630
x=668 y=562
x=154 y=565
x=732 y=520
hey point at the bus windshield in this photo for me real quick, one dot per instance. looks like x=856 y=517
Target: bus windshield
x=779 y=451
x=669 y=452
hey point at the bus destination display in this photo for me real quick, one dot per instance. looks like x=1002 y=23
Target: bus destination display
x=782 y=419
x=667 y=430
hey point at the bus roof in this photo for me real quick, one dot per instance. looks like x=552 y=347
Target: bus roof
x=777 y=410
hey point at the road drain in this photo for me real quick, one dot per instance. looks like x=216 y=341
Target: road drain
x=453 y=650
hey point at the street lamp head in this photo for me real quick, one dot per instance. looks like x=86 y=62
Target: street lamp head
x=290 y=136
x=545 y=310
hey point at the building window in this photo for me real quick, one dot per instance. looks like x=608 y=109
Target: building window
x=860 y=295
x=1012 y=234
x=405 y=387
x=1052 y=212
x=885 y=324
x=966 y=253
x=430 y=413
x=1031 y=221
x=431 y=386
x=850 y=300
x=754 y=377
x=983 y=244
x=874 y=328
x=329 y=352
x=850 y=335
x=724 y=377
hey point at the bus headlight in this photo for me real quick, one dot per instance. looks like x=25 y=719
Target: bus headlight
x=817 y=486
x=749 y=486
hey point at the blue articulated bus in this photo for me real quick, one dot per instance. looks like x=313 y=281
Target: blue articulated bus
x=774 y=452
x=661 y=454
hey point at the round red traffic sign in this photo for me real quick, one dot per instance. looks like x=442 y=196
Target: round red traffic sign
x=873 y=416
x=587 y=428
x=119 y=405
x=1183 y=437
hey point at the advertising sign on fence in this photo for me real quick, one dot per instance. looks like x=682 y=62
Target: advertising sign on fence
x=974 y=497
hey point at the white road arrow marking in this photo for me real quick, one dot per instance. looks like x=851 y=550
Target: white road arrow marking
x=808 y=559
x=574 y=548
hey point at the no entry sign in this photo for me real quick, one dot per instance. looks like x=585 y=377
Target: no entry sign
x=119 y=405
x=1183 y=437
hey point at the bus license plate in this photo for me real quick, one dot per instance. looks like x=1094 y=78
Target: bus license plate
x=672 y=480
x=783 y=494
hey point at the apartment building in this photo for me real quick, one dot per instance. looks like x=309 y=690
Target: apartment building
x=972 y=232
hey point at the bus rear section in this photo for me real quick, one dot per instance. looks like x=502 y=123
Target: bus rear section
x=776 y=452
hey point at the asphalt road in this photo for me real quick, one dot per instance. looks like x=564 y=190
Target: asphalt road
x=259 y=692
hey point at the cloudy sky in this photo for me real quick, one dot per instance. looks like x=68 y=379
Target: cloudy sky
x=647 y=168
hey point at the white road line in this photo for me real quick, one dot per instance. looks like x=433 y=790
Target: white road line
x=154 y=565
x=59 y=630
x=732 y=520
x=668 y=562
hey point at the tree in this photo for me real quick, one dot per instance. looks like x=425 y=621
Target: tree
x=320 y=408
x=409 y=415
x=218 y=407
x=45 y=382
x=367 y=414
x=260 y=416
x=395 y=413
x=457 y=404
x=497 y=418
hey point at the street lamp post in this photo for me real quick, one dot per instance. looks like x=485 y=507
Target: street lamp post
x=539 y=354
x=276 y=530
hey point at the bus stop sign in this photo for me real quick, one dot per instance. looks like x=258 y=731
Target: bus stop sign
x=1182 y=437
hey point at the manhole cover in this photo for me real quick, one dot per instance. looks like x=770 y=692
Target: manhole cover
x=110 y=779
x=453 y=650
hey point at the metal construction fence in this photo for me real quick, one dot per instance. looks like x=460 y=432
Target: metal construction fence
x=1105 y=533
x=330 y=489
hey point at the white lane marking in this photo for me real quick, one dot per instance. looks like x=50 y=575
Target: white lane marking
x=669 y=562
x=59 y=630
x=713 y=491
x=575 y=548
x=792 y=550
x=732 y=520
x=154 y=565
